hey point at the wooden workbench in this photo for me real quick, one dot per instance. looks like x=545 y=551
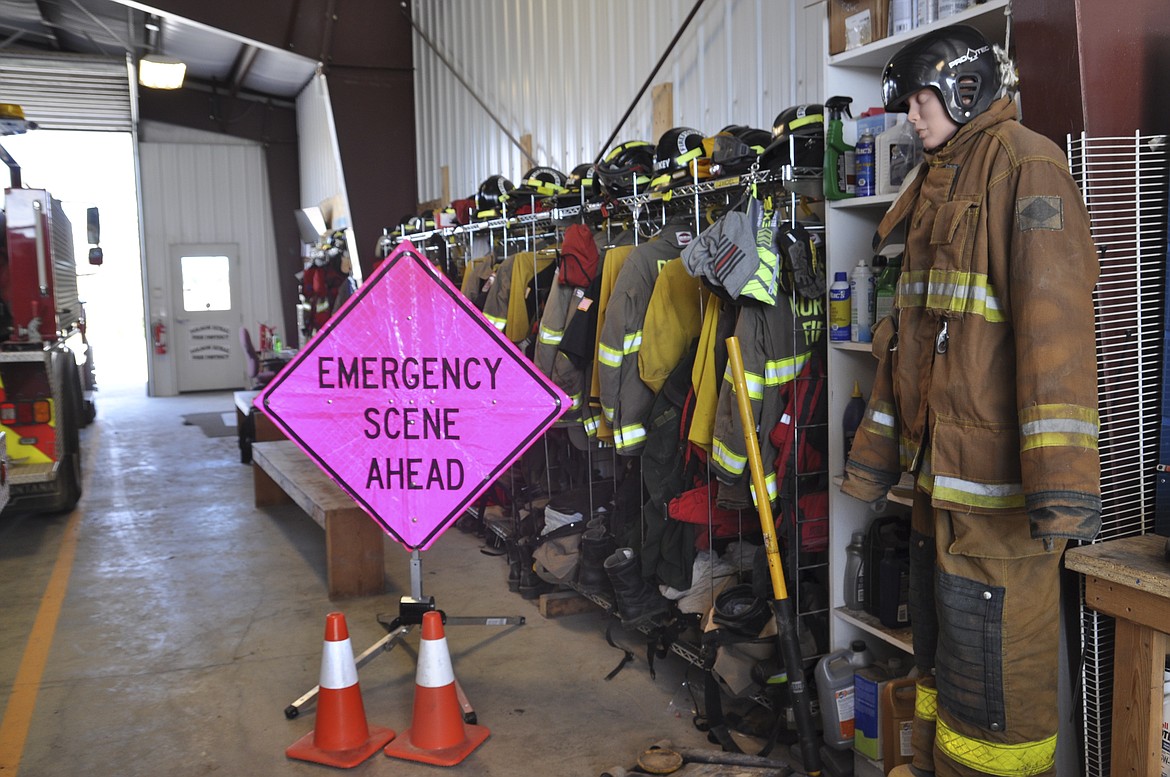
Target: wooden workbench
x=354 y=551
x=252 y=425
x=1129 y=579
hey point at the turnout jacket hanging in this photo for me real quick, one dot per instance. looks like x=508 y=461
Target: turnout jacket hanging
x=986 y=388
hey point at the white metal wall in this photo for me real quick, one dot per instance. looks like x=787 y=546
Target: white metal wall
x=322 y=177
x=565 y=72
x=205 y=192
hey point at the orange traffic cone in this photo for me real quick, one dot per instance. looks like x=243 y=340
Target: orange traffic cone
x=341 y=736
x=437 y=734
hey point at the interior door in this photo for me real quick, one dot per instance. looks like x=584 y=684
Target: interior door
x=207 y=317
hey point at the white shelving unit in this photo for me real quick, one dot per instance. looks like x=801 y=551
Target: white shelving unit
x=849 y=228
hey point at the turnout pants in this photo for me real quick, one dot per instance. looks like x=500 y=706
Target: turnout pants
x=985 y=610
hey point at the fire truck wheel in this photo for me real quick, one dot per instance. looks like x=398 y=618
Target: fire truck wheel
x=68 y=490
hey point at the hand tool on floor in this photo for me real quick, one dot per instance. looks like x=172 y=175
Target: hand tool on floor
x=786 y=634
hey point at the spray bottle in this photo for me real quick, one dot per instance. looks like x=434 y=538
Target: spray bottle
x=840 y=173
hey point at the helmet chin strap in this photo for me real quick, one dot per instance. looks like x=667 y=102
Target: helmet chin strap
x=1008 y=77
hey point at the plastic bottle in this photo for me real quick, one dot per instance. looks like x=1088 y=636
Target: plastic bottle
x=865 y=159
x=951 y=7
x=834 y=678
x=861 y=294
x=927 y=12
x=855 y=572
x=840 y=174
x=851 y=419
x=894 y=581
x=1166 y=724
x=897 y=721
x=901 y=16
x=840 y=313
x=886 y=288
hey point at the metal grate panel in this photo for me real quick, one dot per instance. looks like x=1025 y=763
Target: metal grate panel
x=1124 y=183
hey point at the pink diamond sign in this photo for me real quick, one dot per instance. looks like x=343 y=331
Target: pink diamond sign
x=411 y=400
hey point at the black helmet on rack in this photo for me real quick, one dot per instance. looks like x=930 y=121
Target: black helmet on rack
x=736 y=147
x=579 y=184
x=583 y=178
x=540 y=182
x=798 y=137
x=491 y=193
x=677 y=149
x=957 y=62
x=626 y=165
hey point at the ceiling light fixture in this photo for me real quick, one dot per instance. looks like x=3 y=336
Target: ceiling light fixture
x=158 y=72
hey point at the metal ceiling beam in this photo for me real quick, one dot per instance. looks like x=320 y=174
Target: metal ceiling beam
x=241 y=67
x=126 y=48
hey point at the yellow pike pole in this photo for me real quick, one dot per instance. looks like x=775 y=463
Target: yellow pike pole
x=786 y=634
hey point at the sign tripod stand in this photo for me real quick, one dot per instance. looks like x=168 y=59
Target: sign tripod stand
x=410 y=614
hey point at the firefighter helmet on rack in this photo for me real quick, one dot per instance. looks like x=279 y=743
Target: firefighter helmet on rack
x=957 y=62
x=736 y=147
x=579 y=186
x=680 y=156
x=798 y=137
x=540 y=182
x=491 y=193
x=625 y=168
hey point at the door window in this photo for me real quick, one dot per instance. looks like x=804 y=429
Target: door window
x=207 y=283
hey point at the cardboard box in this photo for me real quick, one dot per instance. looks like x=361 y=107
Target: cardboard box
x=877 y=123
x=854 y=23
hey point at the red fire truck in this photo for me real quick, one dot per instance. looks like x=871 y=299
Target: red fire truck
x=46 y=372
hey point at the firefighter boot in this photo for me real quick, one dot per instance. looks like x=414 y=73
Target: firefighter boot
x=906 y=770
x=531 y=585
x=638 y=602
x=512 y=551
x=596 y=547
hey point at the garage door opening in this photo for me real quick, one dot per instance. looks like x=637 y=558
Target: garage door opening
x=85 y=169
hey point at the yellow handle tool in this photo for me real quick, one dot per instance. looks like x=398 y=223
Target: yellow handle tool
x=786 y=634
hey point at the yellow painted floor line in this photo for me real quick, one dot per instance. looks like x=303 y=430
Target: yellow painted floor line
x=18 y=714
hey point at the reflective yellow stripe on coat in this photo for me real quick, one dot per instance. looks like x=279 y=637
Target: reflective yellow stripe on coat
x=1047 y=426
x=952 y=291
x=1021 y=760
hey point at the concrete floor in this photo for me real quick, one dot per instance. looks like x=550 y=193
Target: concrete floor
x=191 y=619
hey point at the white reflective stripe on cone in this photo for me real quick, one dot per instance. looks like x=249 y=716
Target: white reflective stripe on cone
x=434 y=664
x=337 y=666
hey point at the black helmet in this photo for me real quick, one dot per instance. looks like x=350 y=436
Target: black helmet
x=492 y=192
x=540 y=182
x=736 y=147
x=798 y=137
x=580 y=184
x=800 y=120
x=677 y=148
x=957 y=62
x=624 y=166
x=582 y=178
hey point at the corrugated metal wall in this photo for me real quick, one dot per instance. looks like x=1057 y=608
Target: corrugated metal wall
x=565 y=72
x=206 y=193
x=69 y=91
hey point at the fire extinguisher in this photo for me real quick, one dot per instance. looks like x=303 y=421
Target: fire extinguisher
x=159 y=335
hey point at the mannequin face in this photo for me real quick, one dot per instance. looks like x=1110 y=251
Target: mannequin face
x=930 y=119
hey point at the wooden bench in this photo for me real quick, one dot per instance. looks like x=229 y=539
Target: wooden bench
x=252 y=426
x=1128 y=579
x=354 y=552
